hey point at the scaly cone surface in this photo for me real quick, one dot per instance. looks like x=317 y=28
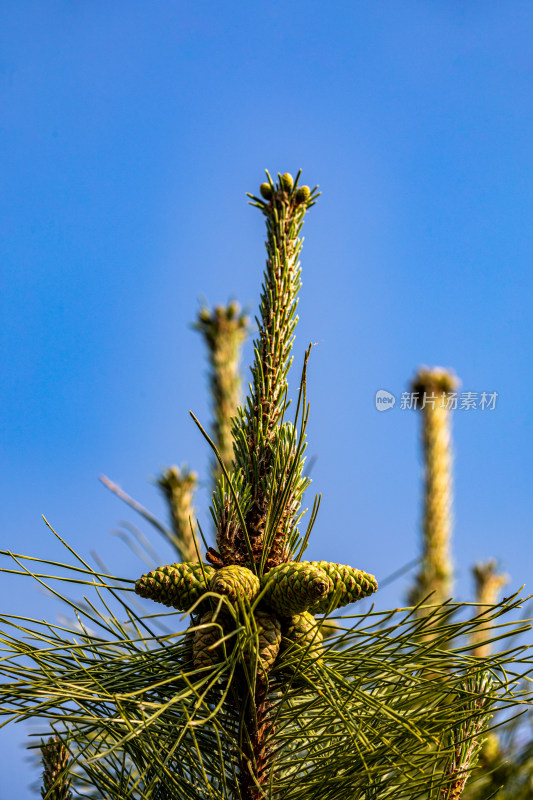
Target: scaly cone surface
x=236 y=583
x=295 y=587
x=433 y=388
x=302 y=629
x=268 y=643
x=208 y=649
x=348 y=585
x=175 y=585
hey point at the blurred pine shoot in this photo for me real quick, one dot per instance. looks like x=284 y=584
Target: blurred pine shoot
x=505 y=768
x=488 y=585
x=224 y=330
x=466 y=736
x=432 y=388
x=178 y=487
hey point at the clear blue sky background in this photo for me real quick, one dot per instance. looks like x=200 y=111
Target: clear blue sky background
x=130 y=132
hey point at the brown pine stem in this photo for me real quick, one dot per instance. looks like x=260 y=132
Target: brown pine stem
x=256 y=761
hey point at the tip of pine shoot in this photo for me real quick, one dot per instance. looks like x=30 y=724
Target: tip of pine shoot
x=287 y=181
x=434 y=379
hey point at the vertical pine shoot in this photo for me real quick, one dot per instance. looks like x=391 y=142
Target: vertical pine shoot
x=224 y=331
x=56 y=783
x=488 y=584
x=433 y=388
x=466 y=738
x=256 y=512
x=178 y=486
x=256 y=517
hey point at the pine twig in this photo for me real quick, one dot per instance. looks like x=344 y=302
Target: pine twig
x=268 y=460
x=466 y=738
x=488 y=583
x=56 y=783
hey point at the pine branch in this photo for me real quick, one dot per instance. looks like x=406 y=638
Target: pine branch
x=253 y=702
x=488 y=583
x=330 y=723
x=268 y=455
x=256 y=519
x=224 y=332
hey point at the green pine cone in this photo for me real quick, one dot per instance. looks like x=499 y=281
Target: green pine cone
x=268 y=641
x=187 y=650
x=295 y=587
x=205 y=654
x=236 y=583
x=266 y=191
x=354 y=584
x=176 y=585
x=287 y=181
x=302 y=628
x=302 y=194
x=269 y=632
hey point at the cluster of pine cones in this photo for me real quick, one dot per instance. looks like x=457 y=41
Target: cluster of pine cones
x=290 y=594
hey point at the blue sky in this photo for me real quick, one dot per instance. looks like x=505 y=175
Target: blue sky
x=130 y=133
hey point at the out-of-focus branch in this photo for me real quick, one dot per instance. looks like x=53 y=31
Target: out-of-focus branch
x=147 y=515
x=488 y=582
x=224 y=330
x=433 y=389
x=178 y=486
